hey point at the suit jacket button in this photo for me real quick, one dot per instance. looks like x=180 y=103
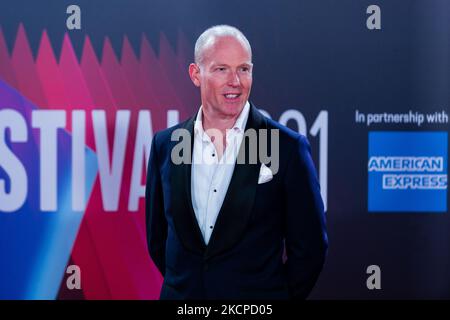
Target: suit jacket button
x=205 y=267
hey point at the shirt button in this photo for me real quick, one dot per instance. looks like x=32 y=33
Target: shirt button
x=215 y=190
x=210 y=227
x=213 y=154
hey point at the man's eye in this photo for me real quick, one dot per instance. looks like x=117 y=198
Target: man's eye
x=220 y=69
x=245 y=69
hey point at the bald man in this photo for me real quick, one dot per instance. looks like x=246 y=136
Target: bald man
x=233 y=205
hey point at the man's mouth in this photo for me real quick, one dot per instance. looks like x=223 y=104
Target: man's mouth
x=232 y=96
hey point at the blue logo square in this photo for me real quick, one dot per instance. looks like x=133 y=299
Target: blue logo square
x=407 y=171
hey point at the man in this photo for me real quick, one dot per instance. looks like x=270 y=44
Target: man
x=217 y=227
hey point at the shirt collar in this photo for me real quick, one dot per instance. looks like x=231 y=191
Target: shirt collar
x=238 y=126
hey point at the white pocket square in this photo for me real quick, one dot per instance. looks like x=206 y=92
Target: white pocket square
x=265 y=174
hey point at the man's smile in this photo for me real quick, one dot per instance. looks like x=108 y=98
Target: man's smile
x=232 y=96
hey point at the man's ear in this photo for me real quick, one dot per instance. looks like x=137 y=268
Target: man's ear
x=194 y=73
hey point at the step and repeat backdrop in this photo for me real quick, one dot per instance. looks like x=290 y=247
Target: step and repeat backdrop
x=84 y=85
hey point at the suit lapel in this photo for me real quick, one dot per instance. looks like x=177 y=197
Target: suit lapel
x=238 y=203
x=183 y=213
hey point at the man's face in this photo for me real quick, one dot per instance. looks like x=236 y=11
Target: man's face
x=224 y=78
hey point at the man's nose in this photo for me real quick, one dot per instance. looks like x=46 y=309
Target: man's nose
x=234 y=80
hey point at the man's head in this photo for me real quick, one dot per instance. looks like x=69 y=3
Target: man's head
x=222 y=70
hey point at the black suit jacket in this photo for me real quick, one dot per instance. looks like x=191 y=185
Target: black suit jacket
x=244 y=257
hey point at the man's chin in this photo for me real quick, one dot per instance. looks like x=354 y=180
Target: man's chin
x=233 y=108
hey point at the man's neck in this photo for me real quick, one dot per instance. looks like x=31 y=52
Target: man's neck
x=213 y=121
x=222 y=124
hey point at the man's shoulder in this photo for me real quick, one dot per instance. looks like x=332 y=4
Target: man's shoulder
x=164 y=136
x=286 y=134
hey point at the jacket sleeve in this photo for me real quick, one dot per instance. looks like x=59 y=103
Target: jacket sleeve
x=306 y=239
x=156 y=223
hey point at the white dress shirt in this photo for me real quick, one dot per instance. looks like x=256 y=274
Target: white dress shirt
x=211 y=177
